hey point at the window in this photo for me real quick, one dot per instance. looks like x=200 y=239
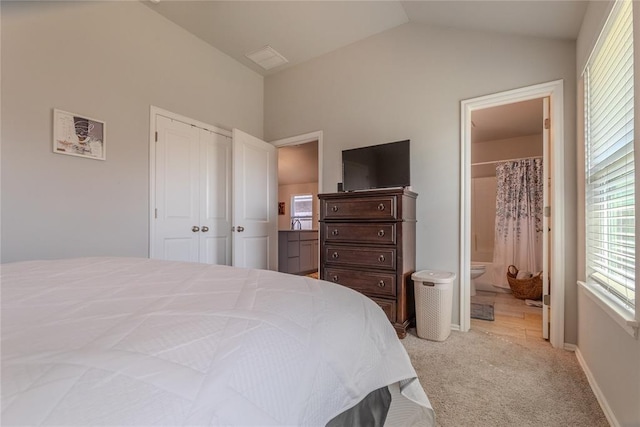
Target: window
x=302 y=212
x=609 y=168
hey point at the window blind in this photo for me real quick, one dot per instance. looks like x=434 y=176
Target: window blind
x=610 y=172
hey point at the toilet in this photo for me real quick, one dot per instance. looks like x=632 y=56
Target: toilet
x=477 y=270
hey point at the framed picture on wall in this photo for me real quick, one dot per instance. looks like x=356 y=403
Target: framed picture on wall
x=79 y=135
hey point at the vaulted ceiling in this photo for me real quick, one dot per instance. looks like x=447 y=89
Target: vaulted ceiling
x=302 y=30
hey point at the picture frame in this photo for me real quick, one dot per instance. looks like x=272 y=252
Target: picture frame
x=79 y=135
x=280 y=208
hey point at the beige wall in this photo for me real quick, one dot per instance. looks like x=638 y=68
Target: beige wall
x=110 y=61
x=610 y=355
x=483 y=218
x=408 y=83
x=285 y=192
x=503 y=149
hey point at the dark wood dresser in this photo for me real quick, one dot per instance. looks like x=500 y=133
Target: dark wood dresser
x=368 y=243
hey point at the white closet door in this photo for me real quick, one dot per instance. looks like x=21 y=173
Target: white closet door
x=255 y=193
x=215 y=198
x=177 y=191
x=192 y=195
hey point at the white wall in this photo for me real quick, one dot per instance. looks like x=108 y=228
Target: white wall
x=408 y=83
x=610 y=354
x=110 y=61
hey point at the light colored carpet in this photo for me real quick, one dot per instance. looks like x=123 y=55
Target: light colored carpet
x=479 y=379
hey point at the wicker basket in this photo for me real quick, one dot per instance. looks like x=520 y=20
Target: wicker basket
x=530 y=288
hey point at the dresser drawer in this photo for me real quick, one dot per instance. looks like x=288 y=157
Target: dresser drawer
x=388 y=306
x=360 y=233
x=362 y=257
x=383 y=207
x=366 y=282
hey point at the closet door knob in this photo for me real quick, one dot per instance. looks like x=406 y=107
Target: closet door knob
x=205 y=228
x=195 y=228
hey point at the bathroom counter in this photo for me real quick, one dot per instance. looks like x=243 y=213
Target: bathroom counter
x=298 y=251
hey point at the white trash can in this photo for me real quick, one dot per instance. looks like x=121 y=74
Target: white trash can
x=434 y=301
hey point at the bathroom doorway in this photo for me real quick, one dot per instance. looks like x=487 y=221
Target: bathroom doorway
x=507 y=195
x=549 y=94
x=299 y=183
x=298 y=186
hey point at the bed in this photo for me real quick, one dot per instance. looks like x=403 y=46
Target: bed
x=128 y=341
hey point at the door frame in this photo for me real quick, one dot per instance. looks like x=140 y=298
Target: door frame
x=303 y=139
x=153 y=113
x=555 y=91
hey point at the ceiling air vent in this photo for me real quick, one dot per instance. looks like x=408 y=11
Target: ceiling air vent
x=267 y=57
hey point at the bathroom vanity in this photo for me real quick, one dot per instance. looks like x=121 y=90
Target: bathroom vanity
x=298 y=251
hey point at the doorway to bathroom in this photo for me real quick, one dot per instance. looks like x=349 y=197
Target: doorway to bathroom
x=507 y=195
x=507 y=137
x=299 y=182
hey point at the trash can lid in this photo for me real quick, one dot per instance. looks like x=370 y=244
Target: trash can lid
x=433 y=276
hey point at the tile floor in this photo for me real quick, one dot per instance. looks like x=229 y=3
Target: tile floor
x=513 y=317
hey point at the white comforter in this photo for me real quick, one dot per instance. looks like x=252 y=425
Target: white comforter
x=136 y=341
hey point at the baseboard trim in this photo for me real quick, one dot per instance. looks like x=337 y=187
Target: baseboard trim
x=570 y=347
x=455 y=327
x=596 y=390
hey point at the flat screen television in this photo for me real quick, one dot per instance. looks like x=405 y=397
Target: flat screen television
x=376 y=166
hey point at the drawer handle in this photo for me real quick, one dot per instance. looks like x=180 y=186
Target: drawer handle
x=335 y=232
x=381 y=207
x=381 y=233
x=335 y=255
x=381 y=258
x=335 y=278
x=334 y=208
x=381 y=284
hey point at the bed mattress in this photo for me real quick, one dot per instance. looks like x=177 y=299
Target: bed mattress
x=124 y=341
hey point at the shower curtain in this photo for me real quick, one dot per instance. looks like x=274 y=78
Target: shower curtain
x=518 y=238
